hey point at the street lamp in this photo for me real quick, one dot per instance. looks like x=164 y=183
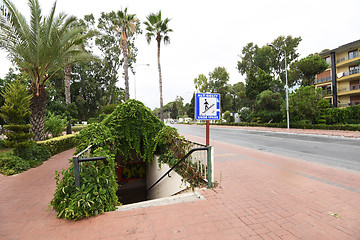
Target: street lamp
x=145 y=64
x=286 y=86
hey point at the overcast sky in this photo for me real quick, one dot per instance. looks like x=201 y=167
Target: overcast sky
x=208 y=34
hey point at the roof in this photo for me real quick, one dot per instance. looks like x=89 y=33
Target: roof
x=343 y=48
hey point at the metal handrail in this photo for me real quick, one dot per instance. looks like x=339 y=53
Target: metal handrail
x=78 y=160
x=181 y=160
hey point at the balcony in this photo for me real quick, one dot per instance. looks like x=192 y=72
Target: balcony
x=351 y=103
x=323 y=79
x=342 y=76
x=348 y=90
x=348 y=60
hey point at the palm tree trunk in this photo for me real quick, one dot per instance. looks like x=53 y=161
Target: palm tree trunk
x=126 y=70
x=160 y=85
x=37 y=108
x=67 y=93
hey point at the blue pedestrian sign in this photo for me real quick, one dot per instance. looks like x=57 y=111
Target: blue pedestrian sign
x=207 y=106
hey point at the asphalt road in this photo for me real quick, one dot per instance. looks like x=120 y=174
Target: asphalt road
x=332 y=151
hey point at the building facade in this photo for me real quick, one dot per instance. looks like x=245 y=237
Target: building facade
x=341 y=80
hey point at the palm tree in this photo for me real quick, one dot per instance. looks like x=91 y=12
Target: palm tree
x=40 y=48
x=158 y=29
x=126 y=26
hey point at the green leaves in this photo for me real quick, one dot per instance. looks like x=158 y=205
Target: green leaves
x=97 y=193
x=133 y=128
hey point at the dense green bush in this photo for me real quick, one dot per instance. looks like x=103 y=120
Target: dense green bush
x=54 y=124
x=95 y=134
x=2 y=144
x=35 y=155
x=59 y=144
x=350 y=115
x=97 y=192
x=78 y=127
x=11 y=164
x=134 y=127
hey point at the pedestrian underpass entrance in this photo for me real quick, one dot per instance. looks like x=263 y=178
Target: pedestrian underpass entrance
x=139 y=181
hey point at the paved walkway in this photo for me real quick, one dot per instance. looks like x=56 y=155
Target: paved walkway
x=260 y=196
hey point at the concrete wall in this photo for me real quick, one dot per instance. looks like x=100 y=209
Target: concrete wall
x=168 y=186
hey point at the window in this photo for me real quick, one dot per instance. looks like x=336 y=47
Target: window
x=353 y=69
x=354 y=85
x=353 y=54
x=328 y=61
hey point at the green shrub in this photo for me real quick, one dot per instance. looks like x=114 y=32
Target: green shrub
x=59 y=144
x=92 y=120
x=11 y=164
x=134 y=127
x=54 y=124
x=97 y=192
x=35 y=155
x=78 y=127
x=95 y=134
x=2 y=144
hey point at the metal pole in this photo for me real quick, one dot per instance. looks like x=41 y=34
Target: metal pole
x=287 y=95
x=135 y=85
x=76 y=171
x=209 y=167
x=207 y=133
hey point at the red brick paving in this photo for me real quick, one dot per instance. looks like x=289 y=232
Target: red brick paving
x=260 y=196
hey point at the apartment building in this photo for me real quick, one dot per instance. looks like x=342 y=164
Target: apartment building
x=341 y=80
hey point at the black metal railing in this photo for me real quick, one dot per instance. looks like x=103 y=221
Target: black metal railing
x=77 y=160
x=208 y=149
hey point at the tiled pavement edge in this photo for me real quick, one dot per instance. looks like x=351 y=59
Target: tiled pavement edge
x=260 y=196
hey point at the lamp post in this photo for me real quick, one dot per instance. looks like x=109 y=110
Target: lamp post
x=286 y=87
x=144 y=64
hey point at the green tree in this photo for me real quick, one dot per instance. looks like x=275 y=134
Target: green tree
x=202 y=84
x=306 y=104
x=174 y=111
x=238 y=96
x=126 y=25
x=267 y=106
x=15 y=111
x=270 y=60
x=191 y=109
x=218 y=83
x=303 y=71
x=158 y=28
x=283 y=44
x=40 y=48
x=257 y=82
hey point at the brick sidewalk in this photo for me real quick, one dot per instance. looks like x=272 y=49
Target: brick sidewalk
x=260 y=196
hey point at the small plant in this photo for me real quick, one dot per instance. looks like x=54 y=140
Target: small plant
x=35 y=155
x=54 y=124
x=97 y=192
x=11 y=164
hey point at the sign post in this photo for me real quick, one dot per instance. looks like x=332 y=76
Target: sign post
x=207 y=107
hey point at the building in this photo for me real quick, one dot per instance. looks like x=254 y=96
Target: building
x=341 y=80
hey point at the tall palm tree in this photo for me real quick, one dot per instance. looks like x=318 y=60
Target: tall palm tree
x=40 y=48
x=126 y=26
x=158 y=29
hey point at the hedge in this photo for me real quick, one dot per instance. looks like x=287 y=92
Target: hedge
x=59 y=144
x=78 y=128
